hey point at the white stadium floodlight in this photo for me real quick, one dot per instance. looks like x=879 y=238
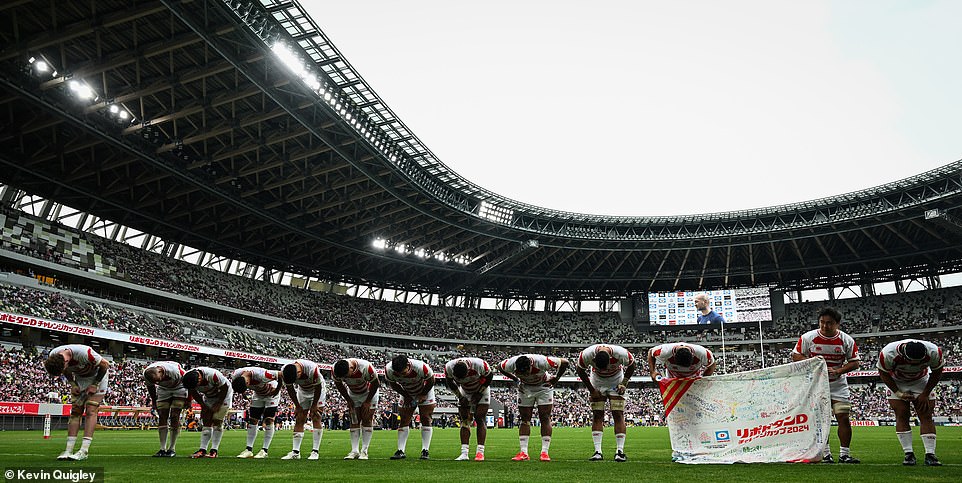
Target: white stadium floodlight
x=420 y=253
x=41 y=66
x=114 y=109
x=379 y=243
x=400 y=247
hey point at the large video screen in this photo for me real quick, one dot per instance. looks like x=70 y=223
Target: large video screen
x=735 y=305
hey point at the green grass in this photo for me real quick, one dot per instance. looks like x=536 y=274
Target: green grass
x=125 y=457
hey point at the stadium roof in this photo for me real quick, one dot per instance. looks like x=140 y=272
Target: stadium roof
x=237 y=128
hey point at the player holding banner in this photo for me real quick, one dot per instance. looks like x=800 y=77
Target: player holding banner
x=840 y=353
x=414 y=381
x=168 y=397
x=611 y=369
x=681 y=360
x=213 y=392
x=305 y=386
x=536 y=388
x=267 y=395
x=904 y=368
x=87 y=372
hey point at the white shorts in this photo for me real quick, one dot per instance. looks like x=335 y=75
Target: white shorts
x=305 y=397
x=259 y=401
x=839 y=390
x=228 y=404
x=607 y=386
x=358 y=399
x=428 y=400
x=165 y=394
x=83 y=382
x=914 y=387
x=485 y=396
x=530 y=396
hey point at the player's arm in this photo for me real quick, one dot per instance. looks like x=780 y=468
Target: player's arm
x=341 y=388
x=449 y=382
x=563 y=366
x=889 y=382
x=290 y=392
x=102 y=368
x=798 y=357
x=220 y=397
x=397 y=388
x=152 y=392
x=923 y=401
x=506 y=373
x=710 y=368
x=847 y=367
x=585 y=378
x=194 y=396
x=372 y=389
x=428 y=385
x=652 y=364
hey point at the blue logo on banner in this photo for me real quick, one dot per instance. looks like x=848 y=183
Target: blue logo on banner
x=722 y=436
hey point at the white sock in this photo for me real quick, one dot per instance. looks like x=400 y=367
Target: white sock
x=71 y=441
x=268 y=436
x=481 y=448
x=366 y=434
x=596 y=439
x=85 y=443
x=355 y=438
x=545 y=443
x=162 y=432
x=827 y=450
x=216 y=435
x=620 y=442
x=928 y=442
x=298 y=437
x=464 y=449
x=402 y=438
x=523 y=443
x=318 y=434
x=204 y=437
x=426 y=437
x=251 y=435
x=905 y=437
x=172 y=439
x=843 y=451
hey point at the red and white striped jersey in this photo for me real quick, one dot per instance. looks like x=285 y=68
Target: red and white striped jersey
x=213 y=381
x=620 y=357
x=665 y=354
x=263 y=381
x=359 y=376
x=311 y=376
x=836 y=351
x=540 y=367
x=900 y=368
x=414 y=384
x=173 y=373
x=83 y=359
x=479 y=372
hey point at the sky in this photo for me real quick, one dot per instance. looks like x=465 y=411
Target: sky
x=665 y=108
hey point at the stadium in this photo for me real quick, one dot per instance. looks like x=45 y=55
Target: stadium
x=212 y=183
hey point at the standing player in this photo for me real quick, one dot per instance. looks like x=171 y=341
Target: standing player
x=357 y=382
x=681 y=360
x=263 y=408
x=215 y=395
x=536 y=388
x=904 y=368
x=305 y=386
x=470 y=379
x=841 y=355
x=86 y=371
x=168 y=397
x=611 y=369
x=414 y=381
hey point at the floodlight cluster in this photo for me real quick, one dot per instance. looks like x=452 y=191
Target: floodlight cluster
x=42 y=69
x=305 y=69
x=405 y=249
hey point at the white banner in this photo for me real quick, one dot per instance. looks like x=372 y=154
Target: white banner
x=778 y=414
